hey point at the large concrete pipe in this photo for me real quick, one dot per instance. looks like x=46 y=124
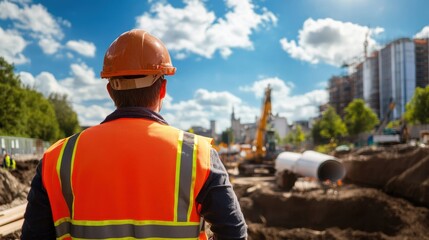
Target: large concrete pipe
x=311 y=164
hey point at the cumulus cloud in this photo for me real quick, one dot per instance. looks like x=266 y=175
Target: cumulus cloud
x=12 y=44
x=204 y=106
x=82 y=88
x=45 y=82
x=293 y=107
x=82 y=47
x=49 y=45
x=330 y=41
x=35 y=20
x=212 y=105
x=194 y=29
x=424 y=33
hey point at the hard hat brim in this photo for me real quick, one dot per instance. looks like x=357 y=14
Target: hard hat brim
x=133 y=83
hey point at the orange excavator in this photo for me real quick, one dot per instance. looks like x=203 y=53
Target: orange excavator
x=260 y=156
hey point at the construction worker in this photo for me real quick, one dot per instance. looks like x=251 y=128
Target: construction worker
x=8 y=162
x=168 y=181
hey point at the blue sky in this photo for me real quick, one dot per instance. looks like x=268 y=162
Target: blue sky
x=226 y=52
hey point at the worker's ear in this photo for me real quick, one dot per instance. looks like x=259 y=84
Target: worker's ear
x=109 y=89
x=163 y=90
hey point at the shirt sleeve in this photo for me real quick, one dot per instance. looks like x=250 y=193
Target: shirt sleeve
x=219 y=204
x=38 y=221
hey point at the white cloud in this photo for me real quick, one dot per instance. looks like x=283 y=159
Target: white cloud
x=82 y=47
x=49 y=45
x=424 y=33
x=45 y=82
x=34 y=17
x=293 y=107
x=92 y=114
x=195 y=29
x=203 y=107
x=81 y=87
x=211 y=105
x=12 y=44
x=35 y=20
x=330 y=41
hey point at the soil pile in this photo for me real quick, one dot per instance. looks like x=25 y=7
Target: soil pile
x=401 y=170
x=349 y=213
x=14 y=187
x=10 y=188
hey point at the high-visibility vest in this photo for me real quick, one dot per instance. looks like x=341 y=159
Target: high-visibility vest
x=6 y=162
x=9 y=162
x=127 y=179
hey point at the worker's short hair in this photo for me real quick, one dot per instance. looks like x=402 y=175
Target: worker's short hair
x=139 y=97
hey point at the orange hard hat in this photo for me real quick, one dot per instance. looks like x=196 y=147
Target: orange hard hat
x=136 y=53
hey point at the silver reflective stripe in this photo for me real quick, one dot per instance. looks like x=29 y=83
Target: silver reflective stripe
x=65 y=171
x=127 y=230
x=185 y=177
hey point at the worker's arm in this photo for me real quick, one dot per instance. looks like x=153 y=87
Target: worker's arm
x=219 y=204
x=38 y=223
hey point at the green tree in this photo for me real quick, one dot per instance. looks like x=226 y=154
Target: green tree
x=331 y=125
x=66 y=116
x=359 y=117
x=315 y=134
x=12 y=111
x=227 y=136
x=7 y=74
x=27 y=113
x=417 y=110
x=41 y=120
x=296 y=136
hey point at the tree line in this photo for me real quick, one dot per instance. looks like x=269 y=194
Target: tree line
x=25 y=112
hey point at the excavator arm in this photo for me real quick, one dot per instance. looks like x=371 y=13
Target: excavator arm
x=262 y=125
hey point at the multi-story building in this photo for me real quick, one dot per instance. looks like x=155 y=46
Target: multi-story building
x=422 y=62
x=371 y=89
x=357 y=77
x=213 y=129
x=341 y=92
x=280 y=125
x=246 y=132
x=397 y=75
x=236 y=127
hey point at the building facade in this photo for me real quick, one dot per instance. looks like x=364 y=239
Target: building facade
x=341 y=92
x=422 y=62
x=371 y=85
x=280 y=125
x=397 y=76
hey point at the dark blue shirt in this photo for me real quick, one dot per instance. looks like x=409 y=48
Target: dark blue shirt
x=219 y=204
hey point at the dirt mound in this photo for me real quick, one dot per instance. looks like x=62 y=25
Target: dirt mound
x=398 y=169
x=413 y=183
x=25 y=171
x=378 y=168
x=352 y=213
x=11 y=188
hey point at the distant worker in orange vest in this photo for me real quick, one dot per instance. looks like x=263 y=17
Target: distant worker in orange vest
x=168 y=182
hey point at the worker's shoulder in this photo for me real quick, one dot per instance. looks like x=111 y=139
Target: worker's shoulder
x=56 y=145
x=201 y=139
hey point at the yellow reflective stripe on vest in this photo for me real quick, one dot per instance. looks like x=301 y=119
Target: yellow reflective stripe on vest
x=180 y=227
x=64 y=167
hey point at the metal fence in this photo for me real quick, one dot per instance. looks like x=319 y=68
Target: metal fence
x=23 y=148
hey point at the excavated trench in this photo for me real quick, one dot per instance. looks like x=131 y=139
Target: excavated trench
x=352 y=209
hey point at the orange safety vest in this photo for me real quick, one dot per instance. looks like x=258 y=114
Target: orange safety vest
x=127 y=178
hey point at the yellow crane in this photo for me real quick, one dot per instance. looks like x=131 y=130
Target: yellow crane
x=262 y=153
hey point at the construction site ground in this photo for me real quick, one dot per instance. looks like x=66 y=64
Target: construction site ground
x=385 y=195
